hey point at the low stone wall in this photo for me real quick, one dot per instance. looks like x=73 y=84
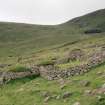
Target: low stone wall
x=51 y=73
x=56 y=74
x=7 y=76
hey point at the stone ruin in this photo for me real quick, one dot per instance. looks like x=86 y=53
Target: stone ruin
x=6 y=76
x=50 y=72
x=76 y=54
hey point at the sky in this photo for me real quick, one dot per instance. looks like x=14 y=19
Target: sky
x=46 y=12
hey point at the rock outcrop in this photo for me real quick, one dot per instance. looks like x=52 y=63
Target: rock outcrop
x=93 y=31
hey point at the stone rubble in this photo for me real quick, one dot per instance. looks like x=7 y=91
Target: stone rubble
x=50 y=72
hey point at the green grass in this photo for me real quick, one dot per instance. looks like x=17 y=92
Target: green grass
x=43 y=45
x=70 y=64
x=18 y=68
x=27 y=91
x=25 y=40
x=46 y=62
x=101 y=101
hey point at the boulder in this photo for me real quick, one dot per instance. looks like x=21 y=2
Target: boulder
x=1 y=81
x=77 y=103
x=87 y=92
x=35 y=70
x=45 y=94
x=66 y=95
x=99 y=73
x=58 y=97
x=103 y=86
x=85 y=83
x=62 y=86
x=99 y=98
x=47 y=99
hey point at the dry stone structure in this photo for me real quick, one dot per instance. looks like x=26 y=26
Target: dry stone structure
x=50 y=72
x=7 y=75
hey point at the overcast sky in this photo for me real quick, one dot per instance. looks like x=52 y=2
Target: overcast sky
x=46 y=11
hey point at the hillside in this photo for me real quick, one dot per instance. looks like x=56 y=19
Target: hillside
x=85 y=89
x=24 y=39
x=91 y=20
x=70 y=55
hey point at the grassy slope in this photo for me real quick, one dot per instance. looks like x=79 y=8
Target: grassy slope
x=22 y=39
x=17 y=39
x=28 y=92
x=91 y=20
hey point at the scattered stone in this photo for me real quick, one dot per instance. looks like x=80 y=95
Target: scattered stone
x=37 y=83
x=99 y=91
x=1 y=81
x=103 y=76
x=99 y=73
x=3 y=65
x=54 y=96
x=77 y=103
x=58 y=97
x=85 y=83
x=20 y=90
x=66 y=95
x=103 y=86
x=61 y=81
x=100 y=98
x=62 y=61
x=64 y=101
x=47 y=99
x=62 y=86
x=45 y=94
x=87 y=92
x=76 y=54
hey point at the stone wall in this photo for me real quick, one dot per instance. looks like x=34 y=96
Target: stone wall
x=51 y=73
x=7 y=76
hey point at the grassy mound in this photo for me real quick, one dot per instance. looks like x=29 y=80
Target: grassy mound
x=18 y=68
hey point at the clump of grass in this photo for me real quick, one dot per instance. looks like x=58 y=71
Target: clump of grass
x=46 y=62
x=70 y=64
x=101 y=101
x=18 y=68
